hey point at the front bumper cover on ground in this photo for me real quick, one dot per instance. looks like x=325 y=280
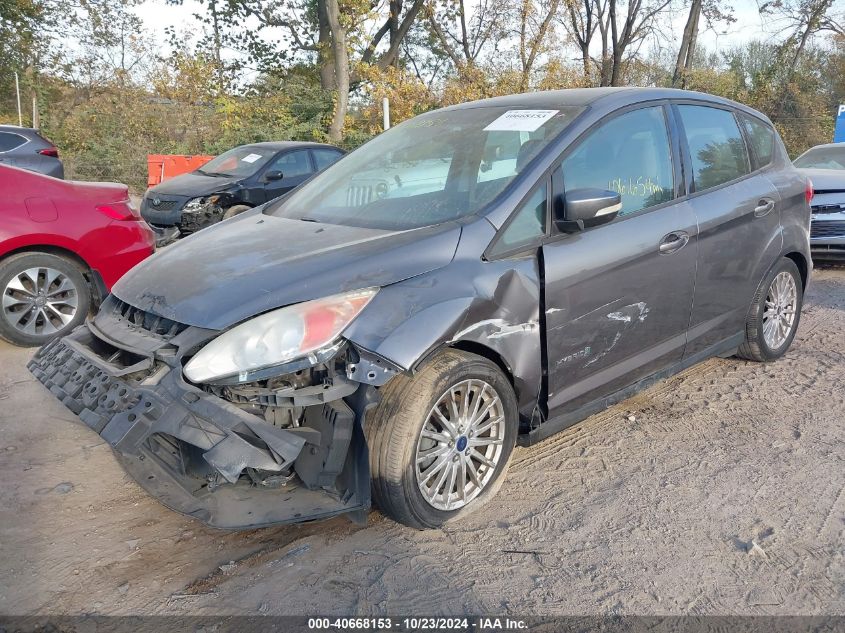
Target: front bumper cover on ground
x=193 y=450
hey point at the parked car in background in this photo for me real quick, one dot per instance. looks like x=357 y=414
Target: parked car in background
x=825 y=166
x=231 y=183
x=24 y=147
x=63 y=245
x=280 y=366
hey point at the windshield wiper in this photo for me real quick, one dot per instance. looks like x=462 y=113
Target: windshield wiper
x=214 y=174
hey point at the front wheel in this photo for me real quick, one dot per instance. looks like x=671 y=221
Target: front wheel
x=235 y=210
x=774 y=315
x=440 y=441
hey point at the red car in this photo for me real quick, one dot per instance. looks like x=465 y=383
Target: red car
x=63 y=245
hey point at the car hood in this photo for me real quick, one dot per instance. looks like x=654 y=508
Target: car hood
x=832 y=180
x=192 y=185
x=254 y=263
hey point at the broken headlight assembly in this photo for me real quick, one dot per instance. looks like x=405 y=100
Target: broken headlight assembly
x=200 y=205
x=276 y=338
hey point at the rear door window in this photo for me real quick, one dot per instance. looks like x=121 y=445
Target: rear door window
x=9 y=141
x=716 y=146
x=629 y=154
x=762 y=139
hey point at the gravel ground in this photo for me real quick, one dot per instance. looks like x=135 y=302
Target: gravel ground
x=718 y=491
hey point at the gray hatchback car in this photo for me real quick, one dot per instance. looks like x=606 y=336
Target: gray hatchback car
x=26 y=148
x=478 y=276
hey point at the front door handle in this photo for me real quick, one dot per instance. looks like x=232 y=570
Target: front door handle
x=673 y=242
x=764 y=207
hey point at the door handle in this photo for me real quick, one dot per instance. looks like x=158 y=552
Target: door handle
x=764 y=207
x=673 y=242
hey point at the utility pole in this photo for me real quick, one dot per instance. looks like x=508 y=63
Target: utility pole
x=18 y=91
x=385 y=110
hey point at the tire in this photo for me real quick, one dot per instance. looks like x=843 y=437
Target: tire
x=760 y=346
x=394 y=436
x=235 y=210
x=19 y=293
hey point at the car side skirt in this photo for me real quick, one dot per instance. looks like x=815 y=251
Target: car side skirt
x=557 y=423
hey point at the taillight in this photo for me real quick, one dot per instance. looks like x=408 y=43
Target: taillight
x=808 y=192
x=50 y=151
x=122 y=210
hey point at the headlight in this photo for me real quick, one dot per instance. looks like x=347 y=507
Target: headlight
x=196 y=205
x=277 y=337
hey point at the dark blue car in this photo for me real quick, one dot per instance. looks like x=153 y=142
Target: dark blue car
x=235 y=181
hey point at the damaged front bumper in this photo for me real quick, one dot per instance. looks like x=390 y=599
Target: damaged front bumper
x=199 y=453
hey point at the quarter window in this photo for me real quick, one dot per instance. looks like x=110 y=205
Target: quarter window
x=629 y=155
x=10 y=141
x=762 y=139
x=528 y=224
x=292 y=164
x=716 y=147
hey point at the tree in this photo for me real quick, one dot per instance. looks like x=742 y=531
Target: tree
x=803 y=18
x=712 y=13
x=618 y=38
x=329 y=32
x=534 y=20
x=462 y=37
x=25 y=27
x=581 y=23
x=687 y=49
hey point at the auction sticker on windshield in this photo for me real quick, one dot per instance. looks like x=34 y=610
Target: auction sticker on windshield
x=520 y=120
x=251 y=158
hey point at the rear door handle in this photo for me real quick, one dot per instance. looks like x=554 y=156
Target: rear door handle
x=764 y=207
x=673 y=242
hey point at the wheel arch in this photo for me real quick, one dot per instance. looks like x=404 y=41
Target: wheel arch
x=92 y=276
x=51 y=249
x=802 y=264
x=479 y=349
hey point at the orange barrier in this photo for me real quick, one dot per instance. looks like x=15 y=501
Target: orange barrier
x=160 y=167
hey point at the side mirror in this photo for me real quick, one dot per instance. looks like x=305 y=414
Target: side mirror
x=579 y=209
x=273 y=174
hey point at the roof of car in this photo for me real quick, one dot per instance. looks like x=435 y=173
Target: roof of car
x=7 y=127
x=581 y=97
x=280 y=145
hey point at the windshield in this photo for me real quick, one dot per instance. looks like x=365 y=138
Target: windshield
x=823 y=158
x=434 y=168
x=241 y=161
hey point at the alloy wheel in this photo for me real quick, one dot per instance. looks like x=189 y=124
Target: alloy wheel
x=40 y=301
x=460 y=445
x=780 y=310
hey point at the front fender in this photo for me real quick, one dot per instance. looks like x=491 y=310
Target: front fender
x=492 y=304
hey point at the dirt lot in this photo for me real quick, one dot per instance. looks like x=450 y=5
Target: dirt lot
x=719 y=491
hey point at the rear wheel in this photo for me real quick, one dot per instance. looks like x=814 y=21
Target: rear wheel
x=775 y=313
x=43 y=296
x=440 y=441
